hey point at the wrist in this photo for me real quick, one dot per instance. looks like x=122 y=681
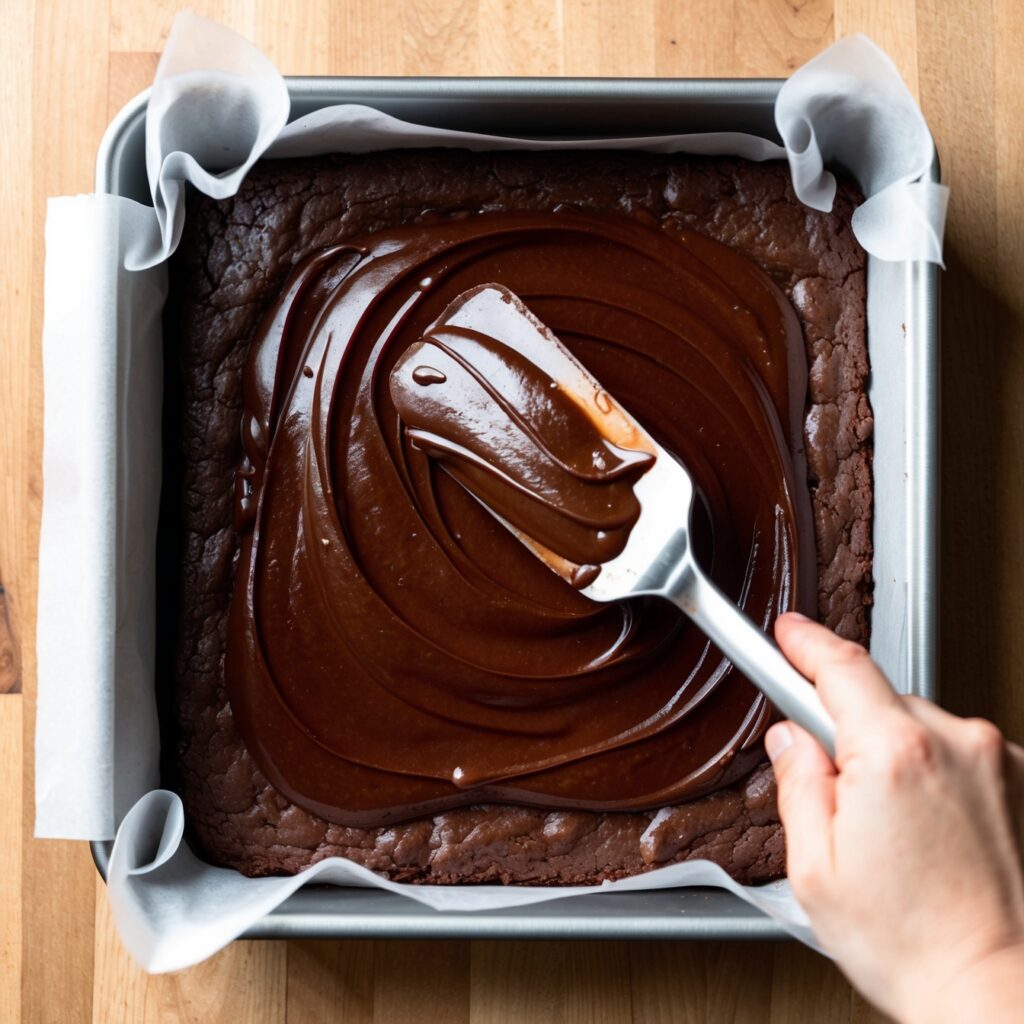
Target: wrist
x=989 y=989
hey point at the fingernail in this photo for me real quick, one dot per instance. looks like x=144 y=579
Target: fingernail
x=778 y=738
x=798 y=616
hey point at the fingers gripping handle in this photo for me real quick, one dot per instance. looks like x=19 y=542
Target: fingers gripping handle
x=754 y=654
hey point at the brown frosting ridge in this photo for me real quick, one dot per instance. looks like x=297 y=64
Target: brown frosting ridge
x=489 y=394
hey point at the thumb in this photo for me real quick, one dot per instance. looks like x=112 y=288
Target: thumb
x=806 y=780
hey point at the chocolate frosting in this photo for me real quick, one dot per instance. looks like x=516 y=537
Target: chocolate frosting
x=490 y=396
x=393 y=650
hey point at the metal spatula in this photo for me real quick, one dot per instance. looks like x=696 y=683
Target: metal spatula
x=657 y=559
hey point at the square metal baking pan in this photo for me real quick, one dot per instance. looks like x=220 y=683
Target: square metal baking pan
x=579 y=108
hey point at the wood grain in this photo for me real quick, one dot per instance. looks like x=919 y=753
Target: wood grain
x=67 y=65
x=890 y=23
x=331 y=981
x=550 y=982
x=780 y=35
x=697 y=39
x=527 y=34
x=712 y=981
x=10 y=660
x=247 y=982
x=10 y=859
x=603 y=37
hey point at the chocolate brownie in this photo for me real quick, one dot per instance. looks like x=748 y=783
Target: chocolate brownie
x=235 y=258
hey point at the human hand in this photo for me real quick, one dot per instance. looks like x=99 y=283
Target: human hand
x=906 y=853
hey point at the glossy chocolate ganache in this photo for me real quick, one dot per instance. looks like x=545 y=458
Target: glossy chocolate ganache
x=393 y=650
x=490 y=394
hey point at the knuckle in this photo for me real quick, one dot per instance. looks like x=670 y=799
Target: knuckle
x=847 y=654
x=982 y=738
x=907 y=748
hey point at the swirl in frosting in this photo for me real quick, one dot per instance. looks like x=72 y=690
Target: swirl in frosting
x=490 y=394
x=393 y=650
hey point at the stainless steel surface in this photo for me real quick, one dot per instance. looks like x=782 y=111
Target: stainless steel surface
x=568 y=108
x=327 y=912
x=922 y=459
x=753 y=652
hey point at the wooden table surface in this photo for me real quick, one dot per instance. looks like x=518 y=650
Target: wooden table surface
x=66 y=67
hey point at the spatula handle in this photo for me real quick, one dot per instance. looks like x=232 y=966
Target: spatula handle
x=753 y=653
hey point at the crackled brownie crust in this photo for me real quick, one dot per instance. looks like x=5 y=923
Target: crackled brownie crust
x=233 y=260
